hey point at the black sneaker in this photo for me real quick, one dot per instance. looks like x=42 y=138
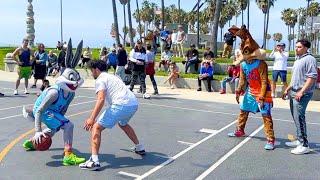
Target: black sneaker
x=90 y=165
x=142 y=152
x=1 y=95
x=155 y=93
x=210 y=90
x=199 y=89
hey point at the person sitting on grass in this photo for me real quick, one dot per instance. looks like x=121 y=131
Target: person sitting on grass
x=165 y=58
x=234 y=74
x=173 y=74
x=206 y=73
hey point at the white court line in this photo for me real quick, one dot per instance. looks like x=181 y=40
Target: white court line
x=26 y=105
x=86 y=102
x=215 y=112
x=183 y=152
x=128 y=174
x=208 y=131
x=233 y=150
x=186 y=143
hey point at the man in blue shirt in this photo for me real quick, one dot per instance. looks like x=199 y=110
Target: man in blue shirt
x=112 y=60
x=164 y=35
x=206 y=73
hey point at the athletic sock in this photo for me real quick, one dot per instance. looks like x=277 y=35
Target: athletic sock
x=94 y=158
x=139 y=147
x=67 y=152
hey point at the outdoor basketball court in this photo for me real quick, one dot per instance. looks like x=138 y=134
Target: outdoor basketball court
x=184 y=139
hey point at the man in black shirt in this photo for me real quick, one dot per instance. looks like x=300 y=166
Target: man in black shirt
x=122 y=61
x=61 y=59
x=192 y=57
x=228 y=43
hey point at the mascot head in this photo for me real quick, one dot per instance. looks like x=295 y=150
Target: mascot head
x=249 y=48
x=70 y=79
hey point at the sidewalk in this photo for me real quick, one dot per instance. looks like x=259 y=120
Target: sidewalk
x=174 y=93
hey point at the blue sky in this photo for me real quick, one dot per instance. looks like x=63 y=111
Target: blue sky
x=91 y=20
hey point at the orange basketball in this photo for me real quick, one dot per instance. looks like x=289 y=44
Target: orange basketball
x=45 y=143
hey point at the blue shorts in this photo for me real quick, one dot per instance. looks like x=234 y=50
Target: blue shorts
x=117 y=114
x=277 y=73
x=53 y=120
x=250 y=104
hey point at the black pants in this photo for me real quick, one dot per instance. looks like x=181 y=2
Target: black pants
x=142 y=77
x=190 y=62
x=154 y=83
x=209 y=78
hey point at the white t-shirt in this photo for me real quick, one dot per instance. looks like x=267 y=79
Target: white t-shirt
x=180 y=36
x=280 y=60
x=116 y=91
x=174 y=38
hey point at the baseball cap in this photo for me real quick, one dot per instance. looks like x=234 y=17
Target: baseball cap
x=281 y=44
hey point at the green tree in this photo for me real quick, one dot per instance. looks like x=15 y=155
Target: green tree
x=277 y=37
x=130 y=24
x=290 y=17
x=215 y=26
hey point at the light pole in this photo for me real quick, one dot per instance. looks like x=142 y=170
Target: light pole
x=61 y=28
x=124 y=2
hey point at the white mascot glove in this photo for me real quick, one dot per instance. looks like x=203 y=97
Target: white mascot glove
x=37 y=137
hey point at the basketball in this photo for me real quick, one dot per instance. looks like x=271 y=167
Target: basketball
x=45 y=143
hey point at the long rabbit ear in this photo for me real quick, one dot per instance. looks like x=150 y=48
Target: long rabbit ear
x=69 y=55
x=77 y=56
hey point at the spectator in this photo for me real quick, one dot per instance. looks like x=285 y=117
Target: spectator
x=53 y=66
x=234 y=74
x=155 y=41
x=174 y=39
x=138 y=58
x=112 y=60
x=59 y=46
x=280 y=57
x=173 y=74
x=103 y=54
x=150 y=68
x=300 y=91
x=208 y=56
x=24 y=64
x=192 y=57
x=206 y=73
x=61 y=59
x=165 y=58
x=228 y=44
x=122 y=61
x=164 y=35
x=40 y=67
x=86 y=57
x=181 y=37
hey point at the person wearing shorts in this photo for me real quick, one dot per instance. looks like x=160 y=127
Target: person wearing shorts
x=280 y=57
x=24 y=65
x=122 y=106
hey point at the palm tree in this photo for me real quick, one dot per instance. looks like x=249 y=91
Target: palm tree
x=265 y=5
x=248 y=15
x=138 y=19
x=162 y=13
x=179 y=9
x=130 y=25
x=313 y=10
x=290 y=17
x=243 y=5
x=124 y=2
x=277 y=37
x=268 y=37
x=215 y=26
x=115 y=18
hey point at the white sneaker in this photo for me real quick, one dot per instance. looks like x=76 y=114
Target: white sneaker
x=300 y=150
x=293 y=143
x=26 y=91
x=15 y=92
x=90 y=165
x=27 y=115
x=146 y=96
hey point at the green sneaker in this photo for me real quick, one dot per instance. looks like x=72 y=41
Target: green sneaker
x=28 y=146
x=72 y=159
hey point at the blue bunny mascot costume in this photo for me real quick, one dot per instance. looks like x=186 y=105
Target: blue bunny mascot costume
x=51 y=106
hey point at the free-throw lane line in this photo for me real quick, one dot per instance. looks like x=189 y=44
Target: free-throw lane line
x=226 y=156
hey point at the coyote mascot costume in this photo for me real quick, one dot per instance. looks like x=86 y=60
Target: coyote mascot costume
x=53 y=103
x=254 y=84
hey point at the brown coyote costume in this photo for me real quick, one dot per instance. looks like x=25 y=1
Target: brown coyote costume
x=254 y=84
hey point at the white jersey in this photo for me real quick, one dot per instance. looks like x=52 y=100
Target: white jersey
x=280 y=60
x=116 y=91
x=174 y=37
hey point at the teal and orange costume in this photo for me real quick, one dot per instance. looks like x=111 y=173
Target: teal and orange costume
x=255 y=86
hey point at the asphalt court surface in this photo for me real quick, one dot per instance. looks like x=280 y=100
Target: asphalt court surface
x=184 y=139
